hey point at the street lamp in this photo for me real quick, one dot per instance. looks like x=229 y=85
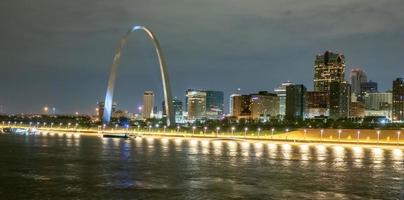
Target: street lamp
x=60 y=125
x=165 y=127
x=321 y=132
x=193 y=130
x=259 y=131
x=138 y=127
x=217 y=130
x=339 y=134
x=51 y=124
x=245 y=131
x=103 y=126
x=232 y=130
x=358 y=135
x=178 y=128
x=150 y=126
x=68 y=125
x=378 y=136
x=77 y=124
x=205 y=129
x=272 y=132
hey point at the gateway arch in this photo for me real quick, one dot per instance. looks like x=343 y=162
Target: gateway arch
x=163 y=70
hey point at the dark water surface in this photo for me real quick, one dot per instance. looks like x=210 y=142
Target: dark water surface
x=88 y=167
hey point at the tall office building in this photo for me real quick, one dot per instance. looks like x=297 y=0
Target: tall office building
x=295 y=101
x=317 y=104
x=196 y=104
x=378 y=101
x=340 y=98
x=358 y=77
x=241 y=106
x=281 y=92
x=264 y=105
x=398 y=100
x=369 y=87
x=178 y=109
x=214 y=104
x=148 y=104
x=328 y=67
x=234 y=104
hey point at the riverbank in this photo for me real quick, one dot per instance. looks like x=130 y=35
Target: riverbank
x=349 y=137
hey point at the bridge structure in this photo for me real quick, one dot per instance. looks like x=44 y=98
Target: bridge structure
x=163 y=70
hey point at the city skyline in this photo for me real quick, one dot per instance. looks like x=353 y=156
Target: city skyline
x=65 y=64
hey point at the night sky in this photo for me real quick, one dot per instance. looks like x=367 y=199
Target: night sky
x=59 y=52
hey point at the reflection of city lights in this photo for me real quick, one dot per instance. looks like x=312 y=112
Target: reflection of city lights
x=339 y=151
x=232 y=145
x=397 y=154
x=357 y=152
x=194 y=142
x=286 y=147
x=178 y=141
x=164 y=141
x=258 y=145
x=150 y=140
x=271 y=146
x=304 y=148
x=205 y=143
x=377 y=152
x=245 y=145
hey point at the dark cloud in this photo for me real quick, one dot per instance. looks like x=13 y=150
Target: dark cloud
x=58 y=53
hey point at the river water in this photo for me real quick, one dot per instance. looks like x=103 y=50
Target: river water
x=88 y=167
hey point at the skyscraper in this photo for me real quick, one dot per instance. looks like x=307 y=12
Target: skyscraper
x=148 y=104
x=317 y=104
x=264 y=105
x=295 y=101
x=178 y=109
x=369 y=87
x=241 y=106
x=281 y=92
x=328 y=67
x=358 y=77
x=234 y=105
x=196 y=104
x=398 y=100
x=214 y=104
x=340 y=98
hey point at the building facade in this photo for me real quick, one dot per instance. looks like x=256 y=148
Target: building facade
x=295 y=101
x=317 y=104
x=264 y=106
x=358 y=77
x=148 y=104
x=369 y=87
x=281 y=92
x=328 y=67
x=398 y=100
x=378 y=101
x=214 y=104
x=196 y=104
x=340 y=98
x=234 y=105
x=241 y=106
x=178 y=110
